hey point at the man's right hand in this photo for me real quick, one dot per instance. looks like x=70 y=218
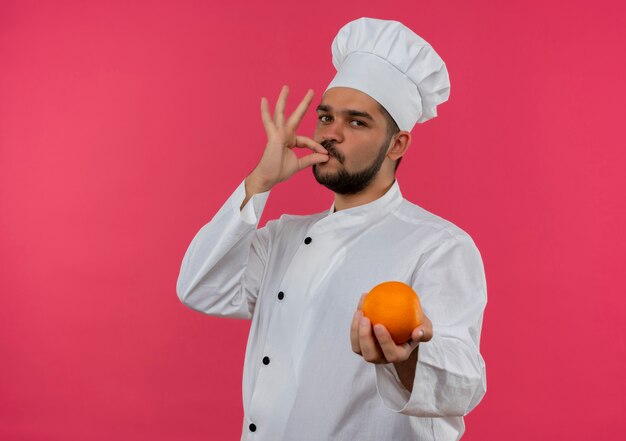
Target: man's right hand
x=279 y=162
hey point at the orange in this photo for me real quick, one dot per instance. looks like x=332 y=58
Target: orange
x=396 y=306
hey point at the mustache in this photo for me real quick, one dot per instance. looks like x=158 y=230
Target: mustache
x=329 y=145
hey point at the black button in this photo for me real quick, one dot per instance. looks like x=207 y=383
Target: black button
x=307 y=240
x=252 y=428
x=266 y=361
x=281 y=295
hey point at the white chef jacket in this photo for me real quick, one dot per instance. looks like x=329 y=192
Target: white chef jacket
x=299 y=279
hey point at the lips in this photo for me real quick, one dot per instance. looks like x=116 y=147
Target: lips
x=332 y=151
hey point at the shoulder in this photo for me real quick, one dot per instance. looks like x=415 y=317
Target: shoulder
x=430 y=226
x=415 y=215
x=444 y=246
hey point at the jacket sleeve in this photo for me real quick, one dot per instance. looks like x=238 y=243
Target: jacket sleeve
x=450 y=377
x=223 y=267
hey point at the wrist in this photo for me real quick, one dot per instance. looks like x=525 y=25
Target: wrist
x=406 y=370
x=255 y=185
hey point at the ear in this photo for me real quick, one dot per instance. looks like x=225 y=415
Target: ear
x=400 y=144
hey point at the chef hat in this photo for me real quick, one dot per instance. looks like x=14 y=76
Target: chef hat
x=393 y=65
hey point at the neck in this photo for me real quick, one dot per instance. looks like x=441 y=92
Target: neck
x=377 y=188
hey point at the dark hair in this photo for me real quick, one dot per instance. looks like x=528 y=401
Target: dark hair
x=392 y=129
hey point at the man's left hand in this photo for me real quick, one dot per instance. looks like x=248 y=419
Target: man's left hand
x=375 y=344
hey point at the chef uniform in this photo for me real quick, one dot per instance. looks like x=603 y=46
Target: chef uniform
x=299 y=280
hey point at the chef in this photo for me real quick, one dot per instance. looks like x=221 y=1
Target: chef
x=315 y=368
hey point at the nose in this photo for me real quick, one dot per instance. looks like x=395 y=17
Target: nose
x=330 y=132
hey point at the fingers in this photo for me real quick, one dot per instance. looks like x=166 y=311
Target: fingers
x=392 y=352
x=354 y=332
x=309 y=160
x=386 y=343
x=424 y=332
x=354 y=327
x=303 y=141
x=268 y=123
x=320 y=154
x=279 y=112
x=375 y=344
x=297 y=115
x=369 y=347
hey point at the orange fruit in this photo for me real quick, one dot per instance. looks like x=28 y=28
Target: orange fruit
x=396 y=306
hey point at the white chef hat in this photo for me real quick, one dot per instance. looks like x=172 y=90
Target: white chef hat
x=393 y=65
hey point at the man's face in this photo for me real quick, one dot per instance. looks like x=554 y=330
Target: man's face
x=354 y=131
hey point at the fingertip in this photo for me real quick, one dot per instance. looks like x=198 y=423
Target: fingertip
x=417 y=334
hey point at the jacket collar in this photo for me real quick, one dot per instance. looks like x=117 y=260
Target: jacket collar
x=369 y=212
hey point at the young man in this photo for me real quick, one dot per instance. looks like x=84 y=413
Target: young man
x=315 y=368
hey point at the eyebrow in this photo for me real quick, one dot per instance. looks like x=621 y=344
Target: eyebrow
x=347 y=112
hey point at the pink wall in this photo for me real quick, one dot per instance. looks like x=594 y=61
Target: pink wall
x=123 y=129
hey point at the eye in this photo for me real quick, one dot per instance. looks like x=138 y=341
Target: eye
x=358 y=123
x=324 y=118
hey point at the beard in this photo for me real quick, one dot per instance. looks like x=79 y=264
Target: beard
x=344 y=182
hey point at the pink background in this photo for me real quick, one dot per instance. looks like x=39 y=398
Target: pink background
x=124 y=128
